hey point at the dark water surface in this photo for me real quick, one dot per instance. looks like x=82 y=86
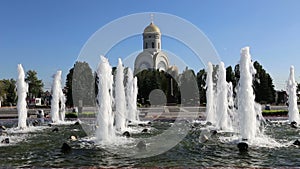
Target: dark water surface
x=42 y=148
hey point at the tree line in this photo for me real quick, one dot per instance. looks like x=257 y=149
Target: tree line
x=263 y=86
x=8 y=95
x=187 y=88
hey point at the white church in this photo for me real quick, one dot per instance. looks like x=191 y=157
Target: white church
x=152 y=56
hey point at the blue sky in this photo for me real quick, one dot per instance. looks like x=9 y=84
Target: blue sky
x=48 y=35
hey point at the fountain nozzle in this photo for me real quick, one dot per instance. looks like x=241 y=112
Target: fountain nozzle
x=243 y=146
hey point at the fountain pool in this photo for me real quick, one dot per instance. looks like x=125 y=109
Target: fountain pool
x=42 y=149
x=173 y=138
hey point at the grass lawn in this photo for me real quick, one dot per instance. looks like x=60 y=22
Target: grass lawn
x=274 y=112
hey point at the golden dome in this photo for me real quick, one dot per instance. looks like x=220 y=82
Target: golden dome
x=151 y=28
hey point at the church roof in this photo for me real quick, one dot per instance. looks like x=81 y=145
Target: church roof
x=151 y=28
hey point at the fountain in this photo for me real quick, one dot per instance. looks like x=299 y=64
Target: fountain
x=120 y=115
x=22 y=89
x=210 y=108
x=56 y=97
x=223 y=121
x=231 y=107
x=134 y=98
x=62 y=112
x=105 y=118
x=131 y=97
x=106 y=149
x=246 y=104
x=292 y=100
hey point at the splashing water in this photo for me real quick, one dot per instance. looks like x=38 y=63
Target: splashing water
x=223 y=121
x=131 y=97
x=56 y=95
x=120 y=101
x=105 y=118
x=231 y=108
x=62 y=112
x=246 y=104
x=134 y=99
x=210 y=110
x=247 y=119
x=292 y=100
x=22 y=89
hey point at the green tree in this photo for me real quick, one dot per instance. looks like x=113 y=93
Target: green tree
x=80 y=85
x=236 y=73
x=201 y=81
x=298 y=87
x=151 y=79
x=68 y=88
x=147 y=82
x=263 y=85
x=189 y=88
x=7 y=92
x=36 y=85
x=230 y=76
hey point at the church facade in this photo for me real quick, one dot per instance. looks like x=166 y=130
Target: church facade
x=152 y=56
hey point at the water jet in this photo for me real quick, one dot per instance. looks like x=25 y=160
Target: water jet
x=292 y=99
x=104 y=115
x=22 y=89
x=210 y=105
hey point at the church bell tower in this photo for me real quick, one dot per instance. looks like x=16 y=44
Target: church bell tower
x=152 y=37
x=152 y=57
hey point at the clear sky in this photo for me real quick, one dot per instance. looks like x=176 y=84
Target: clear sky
x=48 y=35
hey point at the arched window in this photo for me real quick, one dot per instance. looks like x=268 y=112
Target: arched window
x=158 y=45
x=152 y=44
x=146 y=45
